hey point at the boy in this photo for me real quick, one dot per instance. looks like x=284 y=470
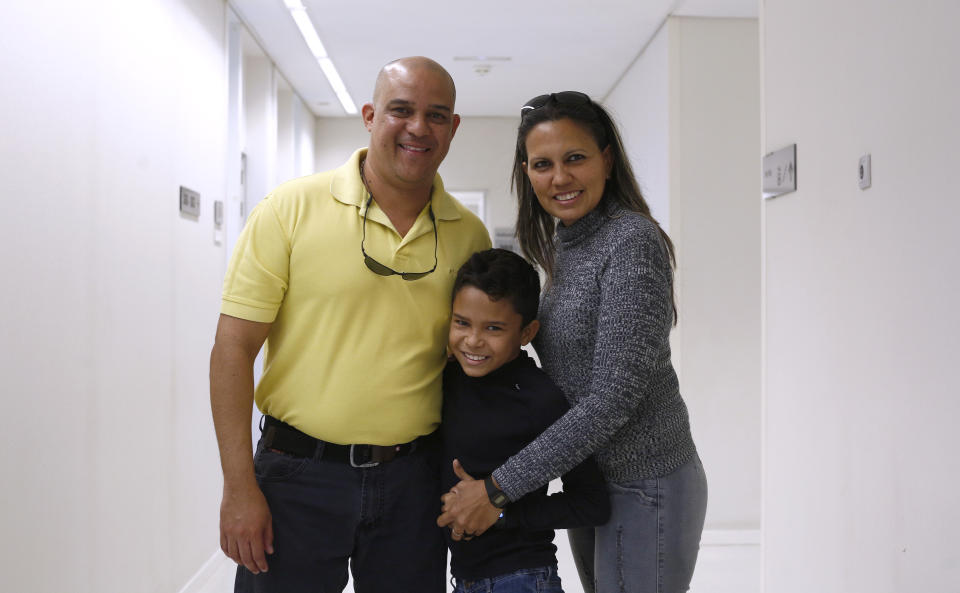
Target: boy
x=495 y=401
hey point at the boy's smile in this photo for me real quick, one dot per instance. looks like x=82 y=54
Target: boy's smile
x=486 y=334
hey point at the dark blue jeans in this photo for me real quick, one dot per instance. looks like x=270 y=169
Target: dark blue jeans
x=527 y=580
x=382 y=519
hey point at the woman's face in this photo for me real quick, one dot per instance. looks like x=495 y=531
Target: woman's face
x=566 y=168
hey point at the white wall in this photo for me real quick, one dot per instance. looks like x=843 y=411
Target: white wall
x=338 y=137
x=640 y=105
x=304 y=144
x=480 y=158
x=715 y=218
x=690 y=117
x=110 y=296
x=861 y=292
x=261 y=129
x=286 y=138
x=296 y=126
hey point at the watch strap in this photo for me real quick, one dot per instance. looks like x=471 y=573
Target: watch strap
x=498 y=497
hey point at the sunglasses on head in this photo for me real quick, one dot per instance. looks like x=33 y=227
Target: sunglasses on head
x=561 y=98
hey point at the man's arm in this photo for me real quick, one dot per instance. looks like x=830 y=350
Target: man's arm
x=246 y=528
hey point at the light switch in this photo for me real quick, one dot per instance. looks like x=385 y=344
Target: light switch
x=864 y=173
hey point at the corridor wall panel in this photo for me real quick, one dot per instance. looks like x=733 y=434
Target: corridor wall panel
x=689 y=110
x=110 y=296
x=861 y=292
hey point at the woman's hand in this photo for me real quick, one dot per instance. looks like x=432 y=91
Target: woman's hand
x=466 y=508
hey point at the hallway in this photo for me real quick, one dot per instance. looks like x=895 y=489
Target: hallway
x=818 y=329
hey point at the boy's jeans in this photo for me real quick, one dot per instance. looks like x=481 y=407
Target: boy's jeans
x=526 y=580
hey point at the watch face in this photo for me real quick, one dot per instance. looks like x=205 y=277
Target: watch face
x=497 y=497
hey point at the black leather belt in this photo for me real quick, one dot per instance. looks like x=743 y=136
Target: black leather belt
x=287 y=439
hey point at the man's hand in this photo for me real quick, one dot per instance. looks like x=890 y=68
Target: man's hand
x=246 y=528
x=466 y=508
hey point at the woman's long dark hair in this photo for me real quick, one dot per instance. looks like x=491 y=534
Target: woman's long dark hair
x=535 y=227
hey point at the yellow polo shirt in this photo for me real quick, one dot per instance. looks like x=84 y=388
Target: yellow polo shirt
x=351 y=357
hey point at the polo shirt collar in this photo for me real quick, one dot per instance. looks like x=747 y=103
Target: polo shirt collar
x=347 y=188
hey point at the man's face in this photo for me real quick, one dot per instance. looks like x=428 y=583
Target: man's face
x=411 y=125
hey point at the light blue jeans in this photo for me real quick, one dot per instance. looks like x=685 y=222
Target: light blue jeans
x=651 y=542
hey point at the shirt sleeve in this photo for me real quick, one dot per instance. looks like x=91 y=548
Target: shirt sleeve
x=633 y=324
x=584 y=502
x=258 y=273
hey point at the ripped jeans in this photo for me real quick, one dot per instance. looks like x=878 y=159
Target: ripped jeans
x=651 y=542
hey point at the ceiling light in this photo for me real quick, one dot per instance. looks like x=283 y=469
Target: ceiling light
x=309 y=33
x=330 y=71
x=299 y=13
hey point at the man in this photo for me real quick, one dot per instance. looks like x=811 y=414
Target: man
x=347 y=276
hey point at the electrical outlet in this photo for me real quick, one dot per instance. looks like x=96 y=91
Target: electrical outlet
x=189 y=202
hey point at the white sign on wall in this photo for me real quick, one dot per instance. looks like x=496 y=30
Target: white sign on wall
x=780 y=172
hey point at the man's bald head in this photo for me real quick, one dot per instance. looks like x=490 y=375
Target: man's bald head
x=411 y=123
x=411 y=65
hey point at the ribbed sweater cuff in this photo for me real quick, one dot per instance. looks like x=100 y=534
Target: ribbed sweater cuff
x=510 y=482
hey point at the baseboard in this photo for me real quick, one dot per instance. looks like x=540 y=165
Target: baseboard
x=730 y=537
x=210 y=576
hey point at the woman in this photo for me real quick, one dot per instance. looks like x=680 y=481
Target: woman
x=606 y=316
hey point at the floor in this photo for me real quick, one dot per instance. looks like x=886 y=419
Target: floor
x=729 y=562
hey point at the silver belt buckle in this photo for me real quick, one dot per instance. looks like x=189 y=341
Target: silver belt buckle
x=367 y=464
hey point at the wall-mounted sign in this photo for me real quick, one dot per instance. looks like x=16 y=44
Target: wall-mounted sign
x=780 y=172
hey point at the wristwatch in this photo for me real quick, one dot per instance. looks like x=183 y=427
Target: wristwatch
x=497 y=497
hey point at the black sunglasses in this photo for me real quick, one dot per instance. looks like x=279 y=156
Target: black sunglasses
x=382 y=270
x=561 y=98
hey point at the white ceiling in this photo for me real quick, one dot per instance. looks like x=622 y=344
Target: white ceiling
x=552 y=45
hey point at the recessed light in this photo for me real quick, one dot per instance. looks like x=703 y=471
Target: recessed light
x=482 y=58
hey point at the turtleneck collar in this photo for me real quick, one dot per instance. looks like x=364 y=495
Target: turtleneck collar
x=508 y=369
x=586 y=226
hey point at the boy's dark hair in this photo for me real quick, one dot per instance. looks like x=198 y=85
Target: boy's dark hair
x=502 y=274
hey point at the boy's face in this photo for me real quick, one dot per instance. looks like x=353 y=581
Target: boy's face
x=486 y=334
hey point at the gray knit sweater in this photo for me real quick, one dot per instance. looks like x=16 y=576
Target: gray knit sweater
x=605 y=340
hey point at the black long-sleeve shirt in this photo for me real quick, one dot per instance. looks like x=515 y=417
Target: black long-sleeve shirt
x=485 y=421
